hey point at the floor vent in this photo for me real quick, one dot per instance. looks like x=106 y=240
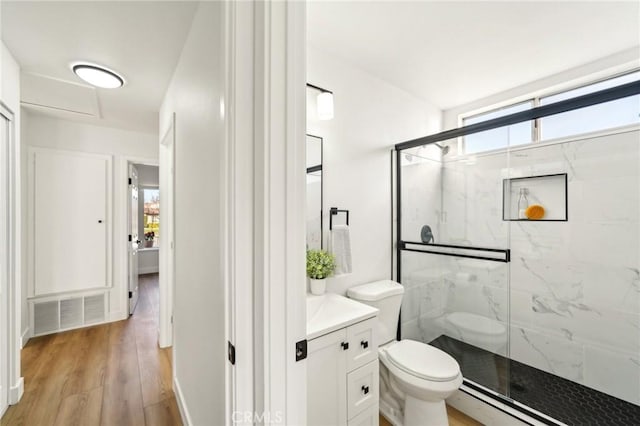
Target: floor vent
x=65 y=314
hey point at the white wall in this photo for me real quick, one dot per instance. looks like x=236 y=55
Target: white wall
x=371 y=116
x=53 y=133
x=10 y=96
x=148 y=261
x=195 y=94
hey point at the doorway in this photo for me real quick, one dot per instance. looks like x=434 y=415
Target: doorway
x=143 y=229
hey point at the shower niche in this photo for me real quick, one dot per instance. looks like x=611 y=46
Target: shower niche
x=545 y=196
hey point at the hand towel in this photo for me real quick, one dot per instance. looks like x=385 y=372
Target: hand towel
x=340 y=246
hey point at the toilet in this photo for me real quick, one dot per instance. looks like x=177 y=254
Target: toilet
x=478 y=331
x=415 y=378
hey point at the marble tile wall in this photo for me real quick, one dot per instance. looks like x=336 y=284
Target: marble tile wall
x=570 y=298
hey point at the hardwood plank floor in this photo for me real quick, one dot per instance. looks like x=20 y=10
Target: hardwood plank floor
x=107 y=375
x=456 y=418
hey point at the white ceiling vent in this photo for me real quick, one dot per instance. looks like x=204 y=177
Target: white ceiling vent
x=62 y=98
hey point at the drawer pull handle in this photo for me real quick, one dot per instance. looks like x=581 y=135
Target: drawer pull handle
x=364 y=344
x=365 y=389
x=345 y=345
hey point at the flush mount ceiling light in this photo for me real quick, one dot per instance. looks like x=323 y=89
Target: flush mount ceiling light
x=324 y=102
x=98 y=76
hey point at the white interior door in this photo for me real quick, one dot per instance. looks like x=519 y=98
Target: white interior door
x=167 y=246
x=134 y=238
x=4 y=265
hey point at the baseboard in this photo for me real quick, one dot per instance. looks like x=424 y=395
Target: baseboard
x=149 y=270
x=16 y=391
x=26 y=335
x=182 y=406
x=118 y=316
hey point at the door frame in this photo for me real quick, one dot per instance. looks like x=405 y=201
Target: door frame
x=14 y=251
x=266 y=179
x=166 y=184
x=125 y=201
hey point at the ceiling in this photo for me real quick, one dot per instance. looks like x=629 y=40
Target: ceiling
x=140 y=40
x=452 y=53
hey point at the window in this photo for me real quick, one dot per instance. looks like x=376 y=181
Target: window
x=617 y=113
x=151 y=217
x=620 y=112
x=501 y=137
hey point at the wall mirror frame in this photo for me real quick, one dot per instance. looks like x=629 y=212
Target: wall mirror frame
x=314 y=145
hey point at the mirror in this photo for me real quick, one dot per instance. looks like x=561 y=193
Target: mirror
x=314 y=192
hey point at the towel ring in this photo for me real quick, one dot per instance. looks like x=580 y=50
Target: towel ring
x=333 y=211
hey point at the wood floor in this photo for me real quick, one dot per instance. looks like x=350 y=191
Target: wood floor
x=456 y=418
x=108 y=375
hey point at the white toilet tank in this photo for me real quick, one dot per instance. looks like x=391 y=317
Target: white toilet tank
x=386 y=296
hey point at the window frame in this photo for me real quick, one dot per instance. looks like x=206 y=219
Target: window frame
x=144 y=188
x=535 y=100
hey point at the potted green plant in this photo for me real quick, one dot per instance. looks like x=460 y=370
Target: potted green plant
x=320 y=265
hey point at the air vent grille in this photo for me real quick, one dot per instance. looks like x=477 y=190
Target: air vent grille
x=94 y=309
x=45 y=317
x=70 y=313
x=56 y=315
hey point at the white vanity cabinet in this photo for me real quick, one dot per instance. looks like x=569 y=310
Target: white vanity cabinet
x=342 y=374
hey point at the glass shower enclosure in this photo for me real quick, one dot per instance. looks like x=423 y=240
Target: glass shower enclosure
x=523 y=261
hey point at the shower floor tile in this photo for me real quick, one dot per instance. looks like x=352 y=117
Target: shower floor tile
x=562 y=399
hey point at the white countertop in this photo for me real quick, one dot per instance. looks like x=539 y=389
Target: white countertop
x=330 y=312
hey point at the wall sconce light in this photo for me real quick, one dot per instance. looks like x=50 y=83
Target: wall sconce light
x=324 y=102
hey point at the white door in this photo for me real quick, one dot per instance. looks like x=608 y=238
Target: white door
x=167 y=255
x=4 y=270
x=134 y=238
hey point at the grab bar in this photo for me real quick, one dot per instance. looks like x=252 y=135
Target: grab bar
x=402 y=245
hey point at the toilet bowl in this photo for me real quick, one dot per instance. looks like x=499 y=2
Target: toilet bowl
x=478 y=331
x=415 y=378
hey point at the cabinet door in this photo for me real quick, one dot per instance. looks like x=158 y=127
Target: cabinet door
x=327 y=380
x=369 y=417
x=363 y=344
x=362 y=389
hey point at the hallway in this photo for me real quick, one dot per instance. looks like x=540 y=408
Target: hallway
x=112 y=374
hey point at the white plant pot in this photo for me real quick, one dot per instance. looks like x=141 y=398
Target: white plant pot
x=317 y=287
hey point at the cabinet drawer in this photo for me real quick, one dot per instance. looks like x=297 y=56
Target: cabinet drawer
x=363 y=344
x=362 y=389
x=369 y=417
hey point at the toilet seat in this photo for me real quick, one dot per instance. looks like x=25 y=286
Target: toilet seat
x=478 y=324
x=423 y=361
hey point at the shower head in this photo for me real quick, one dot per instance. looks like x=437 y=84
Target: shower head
x=445 y=149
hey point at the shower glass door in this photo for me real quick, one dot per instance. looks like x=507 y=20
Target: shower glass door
x=454 y=254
